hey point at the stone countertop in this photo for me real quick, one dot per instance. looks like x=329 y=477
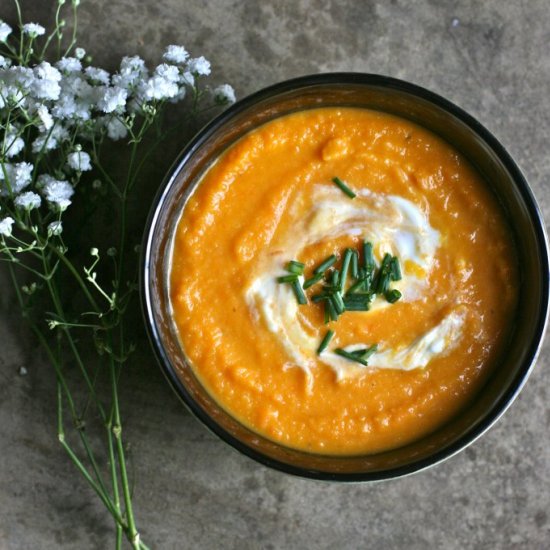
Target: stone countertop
x=193 y=491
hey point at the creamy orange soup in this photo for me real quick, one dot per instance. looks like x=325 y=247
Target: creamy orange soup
x=269 y=199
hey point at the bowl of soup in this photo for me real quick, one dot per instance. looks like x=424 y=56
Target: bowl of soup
x=345 y=277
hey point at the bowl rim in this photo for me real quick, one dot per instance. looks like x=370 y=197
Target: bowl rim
x=348 y=78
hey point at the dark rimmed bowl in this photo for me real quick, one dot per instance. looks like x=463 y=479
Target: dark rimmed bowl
x=458 y=128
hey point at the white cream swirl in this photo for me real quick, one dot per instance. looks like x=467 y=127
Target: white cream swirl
x=397 y=226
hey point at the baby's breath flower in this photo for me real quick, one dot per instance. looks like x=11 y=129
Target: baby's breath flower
x=199 y=65
x=57 y=192
x=132 y=70
x=168 y=72
x=113 y=98
x=5 y=31
x=97 y=75
x=50 y=139
x=18 y=175
x=20 y=76
x=45 y=117
x=179 y=96
x=55 y=228
x=13 y=143
x=224 y=94
x=79 y=53
x=175 y=54
x=4 y=62
x=159 y=88
x=33 y=29
x=79 y=161
x=28 y=201
x=69 y=65
x=5 y=226
x=116 y=129
x=46 y=84
x=188 y=78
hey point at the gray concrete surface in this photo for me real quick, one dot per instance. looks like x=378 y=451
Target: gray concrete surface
x=192 y=491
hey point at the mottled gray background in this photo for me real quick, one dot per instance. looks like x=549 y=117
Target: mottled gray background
x=490 y=57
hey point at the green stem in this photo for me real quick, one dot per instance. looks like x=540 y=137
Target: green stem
x=117 y=432
x=99 y=487
x=66 y=331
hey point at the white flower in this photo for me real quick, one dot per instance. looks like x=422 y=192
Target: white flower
x=70 y=108
x=132 y=69
x=188 y=78
x=33 y=29
x=163 y=84
x=4 y=62
x=199 y=65
x=20 y=76
x=50 y=139
x=160 y=88
x=116 y=129
x=76 y=99
x=45 y=117
x=79 y=161
x=79 y=53
x=69 y=65
x=97 y=75
x=13 y=144
x=28 y=201
x=168 y=72
x=175 y=54
x=55 y=228
x=57 y=192
x=179 y=96
x=5 y=226
x=46 y=83
x=12 y=96
x=5 y=31
x=19 y=176
x=224 y=94
x=113 y=98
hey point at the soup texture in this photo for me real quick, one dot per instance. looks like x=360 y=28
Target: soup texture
x=271 y=198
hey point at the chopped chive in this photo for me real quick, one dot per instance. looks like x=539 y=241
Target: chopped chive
x=322 y=267
x=366 y=353
x=345 y=267
x=357 y=306
x=335 y=278
x=299 y=293
x=358 y=302
x=325 y=342
x=338 y=303
x=326 y=314
x=358 y=285
x=287 y=278
x=350 y=356
x=368 y=281
x=395 y=269
x=311 y=281
x=355 y=264
x=295 y=267
x=383 y=282
x=393 y=295
x=331 y=311
x=358 y=297
x=344 y=187
x=319 y=298
x=385 y=265
x=368 y=256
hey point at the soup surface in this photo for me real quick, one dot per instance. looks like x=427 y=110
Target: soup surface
x=270 y=198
